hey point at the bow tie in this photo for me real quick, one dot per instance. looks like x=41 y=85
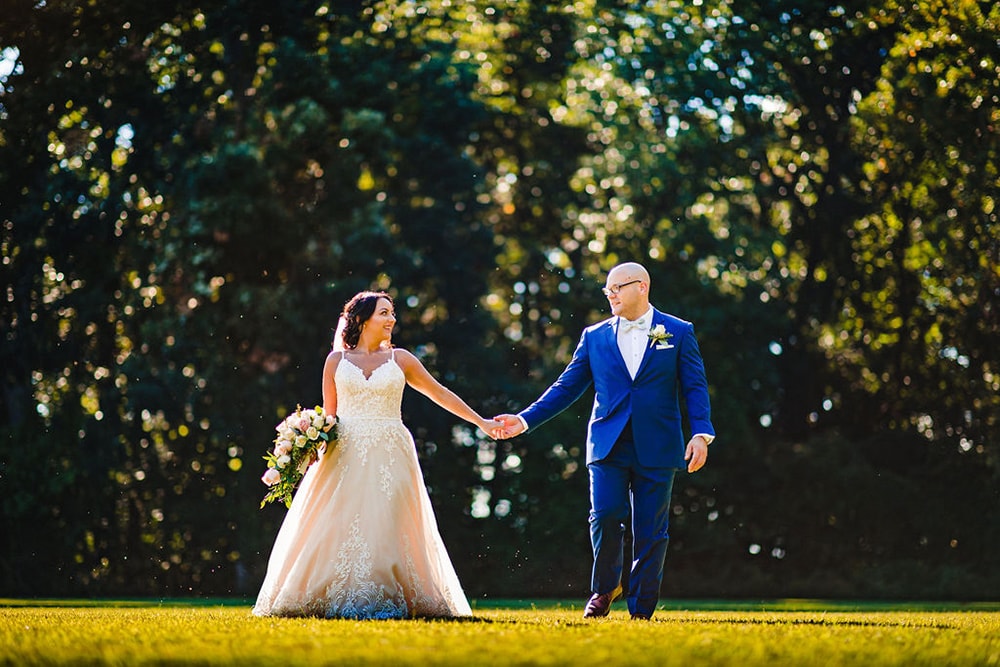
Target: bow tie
x=634 y=325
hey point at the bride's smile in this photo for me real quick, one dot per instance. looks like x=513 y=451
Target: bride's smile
x=377 y=331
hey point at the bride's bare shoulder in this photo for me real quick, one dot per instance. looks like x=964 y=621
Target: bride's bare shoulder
x=404 y=357
x=333 y=358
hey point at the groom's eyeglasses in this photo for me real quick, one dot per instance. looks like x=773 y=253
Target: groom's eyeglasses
x=614 y=289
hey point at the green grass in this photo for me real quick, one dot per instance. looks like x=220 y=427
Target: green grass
x=796 y=632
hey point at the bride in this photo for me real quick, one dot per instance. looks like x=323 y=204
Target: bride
x=360 y=539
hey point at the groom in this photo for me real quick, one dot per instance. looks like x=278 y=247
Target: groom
x=641 y=362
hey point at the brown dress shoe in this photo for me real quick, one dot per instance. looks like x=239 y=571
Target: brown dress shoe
x=599 y=604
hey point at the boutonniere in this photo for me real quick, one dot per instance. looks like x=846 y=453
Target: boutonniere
x=660 y=337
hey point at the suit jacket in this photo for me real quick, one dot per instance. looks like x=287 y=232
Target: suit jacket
x=652 y=400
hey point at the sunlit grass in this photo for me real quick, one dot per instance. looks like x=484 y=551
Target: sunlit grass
x=506 y=633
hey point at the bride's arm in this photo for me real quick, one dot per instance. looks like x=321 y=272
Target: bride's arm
x=329 y=386
x=420 y=379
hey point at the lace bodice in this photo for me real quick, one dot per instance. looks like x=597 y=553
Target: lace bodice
x=376 y=397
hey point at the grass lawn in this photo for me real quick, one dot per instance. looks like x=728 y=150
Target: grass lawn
x=36 y=632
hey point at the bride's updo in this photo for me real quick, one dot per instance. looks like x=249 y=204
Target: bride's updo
x=356 y=312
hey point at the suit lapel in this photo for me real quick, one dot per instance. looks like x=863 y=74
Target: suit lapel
x=648 y=353
x=611 y=340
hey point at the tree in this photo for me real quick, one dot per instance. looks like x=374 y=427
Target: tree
x=189 y=194
x=229 y=205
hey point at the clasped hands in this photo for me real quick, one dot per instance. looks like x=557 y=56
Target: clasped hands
x=508 y=427
x=502 y=427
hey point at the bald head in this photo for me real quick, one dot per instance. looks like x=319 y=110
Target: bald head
x=628 y=290
x=629 y=271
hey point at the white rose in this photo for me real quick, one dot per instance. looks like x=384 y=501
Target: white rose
x=271 y=477
x=312 y=433
x=301 y=440
x=283 y=447
x=283 y=460
x=318 y=421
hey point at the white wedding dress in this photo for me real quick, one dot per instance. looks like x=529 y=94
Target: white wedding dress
x=360 y=540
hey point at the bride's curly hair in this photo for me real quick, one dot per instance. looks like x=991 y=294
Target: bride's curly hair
x=356 y=312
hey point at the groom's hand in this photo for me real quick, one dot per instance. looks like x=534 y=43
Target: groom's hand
x=512 y=426
x=696 y=453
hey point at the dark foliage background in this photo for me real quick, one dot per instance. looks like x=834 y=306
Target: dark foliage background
x=188 y=194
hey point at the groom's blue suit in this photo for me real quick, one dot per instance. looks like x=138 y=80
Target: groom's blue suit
x=635 y=442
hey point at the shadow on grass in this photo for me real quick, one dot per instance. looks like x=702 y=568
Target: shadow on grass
x=125 y=602
x=828 y=622
x=539 y=604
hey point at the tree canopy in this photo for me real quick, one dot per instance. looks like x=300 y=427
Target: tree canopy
x=188 y=195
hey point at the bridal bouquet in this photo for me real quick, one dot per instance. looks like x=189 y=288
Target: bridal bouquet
x=300 y=437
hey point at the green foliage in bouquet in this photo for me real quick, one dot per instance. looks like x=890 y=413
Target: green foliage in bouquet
x=301 y=437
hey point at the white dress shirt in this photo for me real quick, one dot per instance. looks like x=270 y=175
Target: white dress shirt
x=633 y=336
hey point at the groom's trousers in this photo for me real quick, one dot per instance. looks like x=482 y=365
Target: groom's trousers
x=614 y=482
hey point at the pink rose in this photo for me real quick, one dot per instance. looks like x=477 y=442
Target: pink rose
x=271 y=477
x=304 y=423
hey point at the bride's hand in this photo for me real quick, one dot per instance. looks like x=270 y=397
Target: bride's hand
x=492 y=428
